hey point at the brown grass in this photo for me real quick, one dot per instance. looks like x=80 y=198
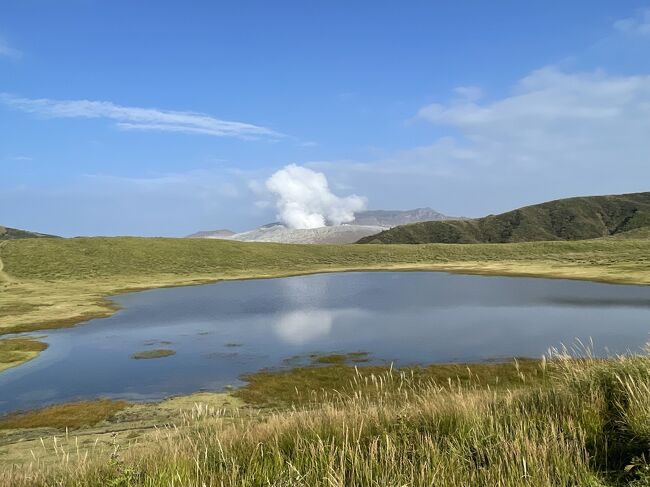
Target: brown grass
x=71 y=415
x=15 y=351
x=585 y=426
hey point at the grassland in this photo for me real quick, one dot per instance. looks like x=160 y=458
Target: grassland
x=51 y=283
x=565 y=422
x=95 y=428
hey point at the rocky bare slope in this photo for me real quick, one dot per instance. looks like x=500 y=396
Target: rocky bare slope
x=334 y=234
x=365 y=224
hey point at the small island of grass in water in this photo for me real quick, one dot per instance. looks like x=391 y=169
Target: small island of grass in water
x=150 y=354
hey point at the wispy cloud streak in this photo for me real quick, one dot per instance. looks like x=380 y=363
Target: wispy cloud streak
x=136 y=118
x=637 y=25
x=8 y=51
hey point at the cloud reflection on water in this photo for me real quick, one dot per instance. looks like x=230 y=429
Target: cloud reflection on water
x=303 y=326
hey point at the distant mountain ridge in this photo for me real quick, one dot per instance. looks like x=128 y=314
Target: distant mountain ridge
x=577 y=218
x=393 y=218
x=365 y=223
x=222 y=233
x=7 y=233
x=322 y=235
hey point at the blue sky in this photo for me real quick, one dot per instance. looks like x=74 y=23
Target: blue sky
x=163 y=118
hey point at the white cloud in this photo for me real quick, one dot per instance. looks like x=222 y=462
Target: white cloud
x=552 y=119
x=136 y=118
x=8 y=51
x=557 y=134
x=304 y=199
x=469 y=93
x=636 y=25
x=309 y=143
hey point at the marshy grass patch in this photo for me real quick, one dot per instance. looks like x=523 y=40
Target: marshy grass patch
x=150 y=343
x=335 y=358
x=303 y=385
x=152 y=354
x=70 y=415
x=339 y=358
x=16 y=351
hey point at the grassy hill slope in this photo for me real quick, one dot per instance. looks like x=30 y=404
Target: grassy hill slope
x=7 y=233
x=578 y=218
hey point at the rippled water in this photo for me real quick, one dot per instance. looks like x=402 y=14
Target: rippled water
x=220 y=331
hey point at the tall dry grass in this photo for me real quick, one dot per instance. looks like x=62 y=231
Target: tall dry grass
x=589 y=425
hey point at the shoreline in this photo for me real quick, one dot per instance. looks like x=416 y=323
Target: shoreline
x=265 y=392
x=110 y=307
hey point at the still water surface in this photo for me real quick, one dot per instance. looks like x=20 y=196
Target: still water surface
x=221 y=331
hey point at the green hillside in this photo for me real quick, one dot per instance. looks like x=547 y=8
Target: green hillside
x=566 y=219
x=7 y=233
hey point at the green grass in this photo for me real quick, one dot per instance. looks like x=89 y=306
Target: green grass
x=61 y=282
x=96 y=258
x=16 y=351
x=566 y=219
x=151 y=354
x=637 y=233
x=579 y=423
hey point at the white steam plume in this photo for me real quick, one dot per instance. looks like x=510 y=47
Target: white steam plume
x=304 y=199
